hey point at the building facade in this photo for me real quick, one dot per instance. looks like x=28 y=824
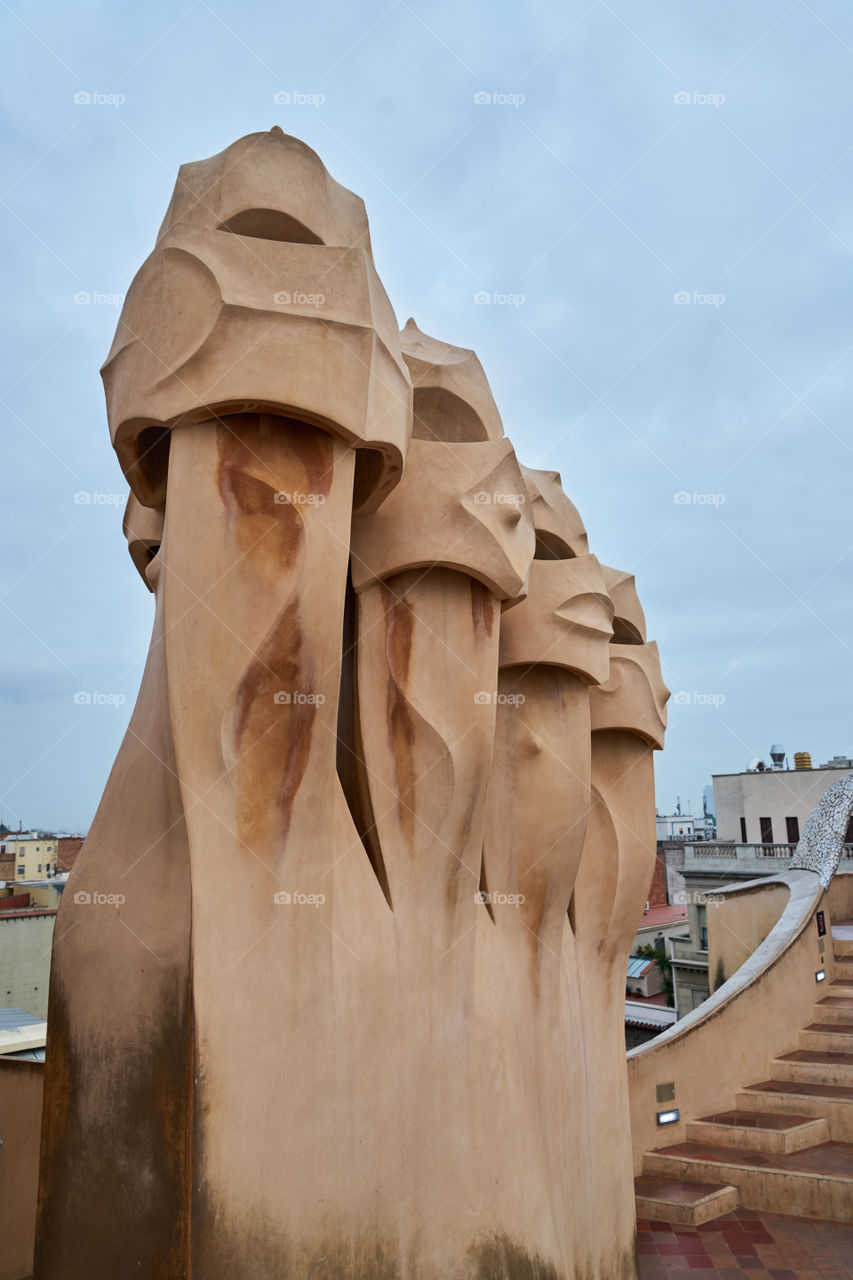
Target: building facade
x=26 y=936
x=770 y=805
x=34 y=856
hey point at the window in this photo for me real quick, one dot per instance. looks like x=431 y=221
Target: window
x=766 y=825
x=848 y=837
x=793 y=826
x=743 y=830
x=39 y=866
x=703 y=928
x=21 y=871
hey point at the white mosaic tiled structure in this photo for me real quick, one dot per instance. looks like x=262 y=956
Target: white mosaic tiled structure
x=822 y=840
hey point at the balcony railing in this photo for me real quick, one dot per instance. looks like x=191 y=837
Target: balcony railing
x=701 y=849
x=689 y=950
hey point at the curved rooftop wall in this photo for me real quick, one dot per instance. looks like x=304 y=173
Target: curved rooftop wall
x=728 y=1041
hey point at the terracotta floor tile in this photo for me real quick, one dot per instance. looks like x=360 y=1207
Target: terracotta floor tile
x=758 y=1246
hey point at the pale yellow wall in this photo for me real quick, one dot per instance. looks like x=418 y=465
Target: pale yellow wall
x=646 y=934
x=737 y=925
x=25 y=944
x=48 y=895
x=649 y=985
x=35 y=856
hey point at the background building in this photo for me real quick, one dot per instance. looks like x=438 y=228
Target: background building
x=26 y=935
x=675 y=826
x=30 y=855
x=769 y=802
x=34 y=856
x=760 y=816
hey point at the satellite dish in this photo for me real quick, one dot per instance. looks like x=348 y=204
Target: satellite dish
x=754 y=764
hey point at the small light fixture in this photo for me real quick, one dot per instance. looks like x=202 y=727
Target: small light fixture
x=820 y=975
x=668 y=1117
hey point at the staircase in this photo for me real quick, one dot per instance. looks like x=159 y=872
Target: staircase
x=787 y=1146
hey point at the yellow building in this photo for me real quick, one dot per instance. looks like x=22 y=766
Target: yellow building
x=34 y=856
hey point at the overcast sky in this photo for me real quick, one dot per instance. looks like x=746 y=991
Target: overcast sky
x=629 y=154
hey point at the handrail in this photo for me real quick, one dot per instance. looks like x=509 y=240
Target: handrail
x=737 y=1015
x=733 y=850
x=805 y=894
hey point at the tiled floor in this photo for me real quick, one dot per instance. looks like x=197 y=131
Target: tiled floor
x=757 y=1246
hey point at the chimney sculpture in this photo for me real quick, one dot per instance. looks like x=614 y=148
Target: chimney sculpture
x=338 y=989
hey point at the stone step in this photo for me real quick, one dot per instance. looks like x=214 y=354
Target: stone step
x=840 y=986
x=816 y=1183
x=815 y=1066
x=834 y=1102
x=682 y=1202
x=833 y=1036
x=773 y=1132
x=834 y=1009
x=842 y=937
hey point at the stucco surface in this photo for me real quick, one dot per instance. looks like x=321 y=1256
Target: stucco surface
x=381 y=831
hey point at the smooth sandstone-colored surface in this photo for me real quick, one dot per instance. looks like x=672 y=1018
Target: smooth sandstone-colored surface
x=21 y=1092
x=377 y=841
x=260 y=295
